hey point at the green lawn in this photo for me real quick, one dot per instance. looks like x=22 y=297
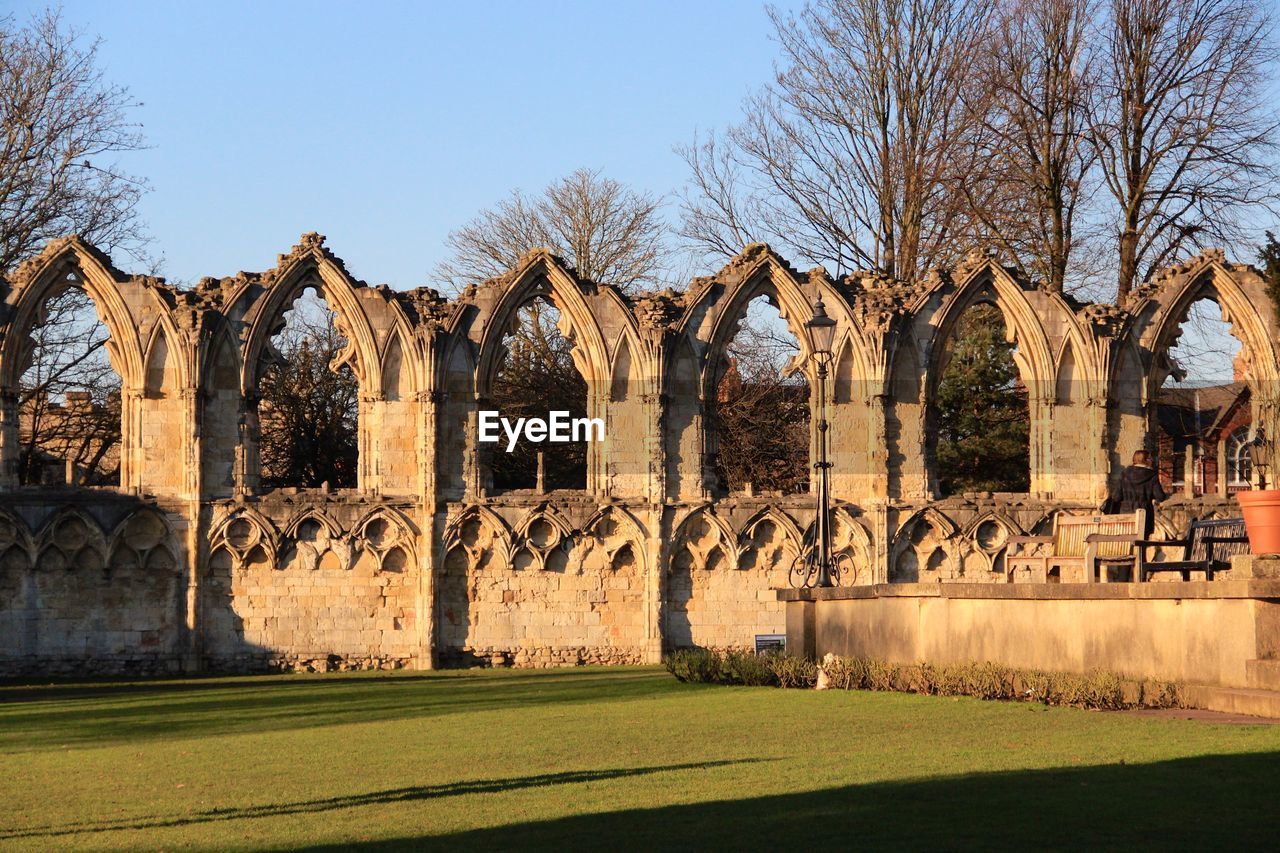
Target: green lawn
x=606 y=758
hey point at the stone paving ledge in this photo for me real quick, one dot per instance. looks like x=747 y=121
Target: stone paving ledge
x=1246 y=588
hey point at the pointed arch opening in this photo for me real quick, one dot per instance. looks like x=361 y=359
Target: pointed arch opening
x=758 y=412
x=309 y=400
x=538 y=373
x=1203 y=413
x=69 y=395
x=980 y=410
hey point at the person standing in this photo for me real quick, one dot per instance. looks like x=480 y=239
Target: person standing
x=1138 y=488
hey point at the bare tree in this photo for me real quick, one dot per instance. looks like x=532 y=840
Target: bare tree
x=760 y=414
x=60 y=125
x=610 y=233
x=537 y=376
x=849 y=157
x=69 y=399
x=1183 y=131
x=1031 y=134
x=309 y=409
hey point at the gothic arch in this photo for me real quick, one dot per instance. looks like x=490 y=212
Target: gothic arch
x=16 y=544
x=243 y=532
x=389 y=536
x=330 y=526
x=398 y=373
x=542 y=274
x=622 y=368
x=769 y=541
x=392 y=516
x=310 y=265
x=48 y=274
x=754 y=272
x=165 y=334
x=706 y=538
x=988 y=536
x=1209 y=276
x=771 y=514
x=474 y=531
x=793 y=309
x=918 y=541
x=988 y=282
x=991 y=283
x=932 y=517
x=850 y=536
x=543 y=526
x=141 y=530
x=141 y=541
x=73 y=540
x=628 y=532
x=1157 y=312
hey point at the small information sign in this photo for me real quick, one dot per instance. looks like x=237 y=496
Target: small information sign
x=770 y=643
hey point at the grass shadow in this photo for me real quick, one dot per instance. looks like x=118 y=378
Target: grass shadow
x=373 y=798
x=34 y=718
x=1210 y=802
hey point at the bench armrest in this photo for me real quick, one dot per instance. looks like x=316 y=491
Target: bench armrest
x=1029 y=540
x=1163 y=543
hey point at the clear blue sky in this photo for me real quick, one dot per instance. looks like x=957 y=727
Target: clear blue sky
x=385 y=125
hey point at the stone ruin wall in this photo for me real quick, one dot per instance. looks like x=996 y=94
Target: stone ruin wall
x=190 y=565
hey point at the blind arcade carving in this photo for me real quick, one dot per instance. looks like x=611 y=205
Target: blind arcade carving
x=191 y=563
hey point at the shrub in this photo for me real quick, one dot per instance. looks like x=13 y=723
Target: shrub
x=792 y=671
x=1097 y=689
x=1157 y=694
x=697 y=666
x=748 y=668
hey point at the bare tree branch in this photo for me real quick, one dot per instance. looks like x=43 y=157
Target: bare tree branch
x=611 y=234
x=1184 y=137
x=60 y=125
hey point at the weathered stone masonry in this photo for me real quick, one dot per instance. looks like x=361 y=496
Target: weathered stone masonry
x=190 y=565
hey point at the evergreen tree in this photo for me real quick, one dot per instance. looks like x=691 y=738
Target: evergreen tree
x=983 y=426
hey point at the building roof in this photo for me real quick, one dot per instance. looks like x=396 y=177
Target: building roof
x=1186 y=411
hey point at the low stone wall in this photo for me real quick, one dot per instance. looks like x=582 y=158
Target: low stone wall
x=1198 y=632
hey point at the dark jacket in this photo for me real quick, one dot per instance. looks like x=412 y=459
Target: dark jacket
x=1139 y=488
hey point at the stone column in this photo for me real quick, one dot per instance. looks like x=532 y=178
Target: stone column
x=9 y=448
x=1189 y=471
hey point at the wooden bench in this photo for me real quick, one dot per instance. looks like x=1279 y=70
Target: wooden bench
x=1092 y=543
x=1207 y=547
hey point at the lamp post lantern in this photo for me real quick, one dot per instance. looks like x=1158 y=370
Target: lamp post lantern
x=1260 y=456
x=815 y=567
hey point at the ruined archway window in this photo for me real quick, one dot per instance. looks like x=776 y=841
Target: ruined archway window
x=537 y=376
x=760 y=412
x=1205 y=351
x=69 y=398
x=982 y=418
x=1205 y=392
x=308 y=411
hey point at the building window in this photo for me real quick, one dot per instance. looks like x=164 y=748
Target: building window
x=1239 y=465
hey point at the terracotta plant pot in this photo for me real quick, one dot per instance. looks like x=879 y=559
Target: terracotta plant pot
x=1262 y=519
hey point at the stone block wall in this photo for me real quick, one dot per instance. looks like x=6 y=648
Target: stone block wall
x=191 y=563
x=90 y=589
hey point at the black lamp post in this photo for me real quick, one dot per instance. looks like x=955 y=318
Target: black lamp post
x=1260 y=456
x=815 y=568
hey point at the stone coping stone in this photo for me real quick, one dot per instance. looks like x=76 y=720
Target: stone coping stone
x=1248 y=588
